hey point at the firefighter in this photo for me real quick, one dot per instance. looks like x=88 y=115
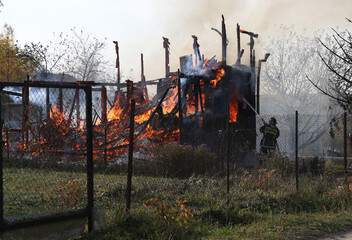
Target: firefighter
x=270 y=132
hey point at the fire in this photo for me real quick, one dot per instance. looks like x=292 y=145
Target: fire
x=143 y=117
x=220 y=74
x=170 y=102
x=233 y=109
x=115 y=112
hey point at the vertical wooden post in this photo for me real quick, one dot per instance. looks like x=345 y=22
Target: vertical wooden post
x=296 y=150
x=144 y=85
x=345 y=140
x=223 y=40
x=180 y=114
x=166 y=45
x=129 y=90
x=238 y=44
x=117 y=65
x=130 y=157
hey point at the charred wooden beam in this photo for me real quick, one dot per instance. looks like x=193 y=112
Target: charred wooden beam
x=143 y=84
x=129 y=90
x=103 y=104
x=180 y=113
x=166 y=45
x=224 y=43
x=239 y=55
x=117 y=65
x=198 y=57
x=11 y=93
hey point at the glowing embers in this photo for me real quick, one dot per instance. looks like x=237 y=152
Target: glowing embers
x=233 y=109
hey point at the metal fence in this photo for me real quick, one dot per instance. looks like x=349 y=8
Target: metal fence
x=47 y=153
x=52 y=132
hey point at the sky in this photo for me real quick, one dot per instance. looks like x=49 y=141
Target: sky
x=139 y=25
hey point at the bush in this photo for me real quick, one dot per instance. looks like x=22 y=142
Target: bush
x=277 y=161
x=174 y=160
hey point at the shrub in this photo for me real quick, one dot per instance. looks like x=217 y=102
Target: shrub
x=174 y=160
x=280 y=162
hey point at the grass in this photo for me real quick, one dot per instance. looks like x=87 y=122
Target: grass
x=262 y=204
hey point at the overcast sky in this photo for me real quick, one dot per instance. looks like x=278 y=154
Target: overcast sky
x=138 y=25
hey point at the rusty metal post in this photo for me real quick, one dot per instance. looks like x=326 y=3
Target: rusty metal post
x=103 y=105
x=78 y=110
x=228 y=152
x=345 y=140
x=130 y=157
x=90 y=166
x=60 y=102
x=104 y=117
x=7 y=143
x=258 y=80
x=25 y=120
x=296 y=150
x=47 y=103
x=1 y=171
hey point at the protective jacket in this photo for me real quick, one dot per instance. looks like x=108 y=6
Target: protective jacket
x=270 y=134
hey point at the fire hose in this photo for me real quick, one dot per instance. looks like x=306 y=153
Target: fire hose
x=277 y=145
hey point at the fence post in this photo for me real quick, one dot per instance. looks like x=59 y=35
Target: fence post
x=130 y=157
x=296 y=150
x=228 y=153
x=47 y=100
x=1 y=171
x=25 y=116
x=104 y=118
x=90 y=166
x=345 y=140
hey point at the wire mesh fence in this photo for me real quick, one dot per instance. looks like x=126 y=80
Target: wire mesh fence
x=45 y=151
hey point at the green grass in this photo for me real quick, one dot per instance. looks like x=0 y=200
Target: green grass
x=262 y=204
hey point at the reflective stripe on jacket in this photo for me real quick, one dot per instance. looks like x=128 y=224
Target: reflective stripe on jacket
x=270 y=134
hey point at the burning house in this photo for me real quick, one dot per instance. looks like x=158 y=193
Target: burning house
x=215 y=109
x=205 y=102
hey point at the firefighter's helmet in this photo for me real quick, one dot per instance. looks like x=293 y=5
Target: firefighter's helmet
x=272 y=121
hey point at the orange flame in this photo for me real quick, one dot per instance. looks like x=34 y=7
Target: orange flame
x=220 y=73
x=233 y=109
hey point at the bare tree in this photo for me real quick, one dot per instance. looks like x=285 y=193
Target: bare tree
x=48 y=58
x=86 y=60
x=294 y=56
x=337 y=58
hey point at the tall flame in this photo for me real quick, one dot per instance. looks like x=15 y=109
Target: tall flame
x=233 y=109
